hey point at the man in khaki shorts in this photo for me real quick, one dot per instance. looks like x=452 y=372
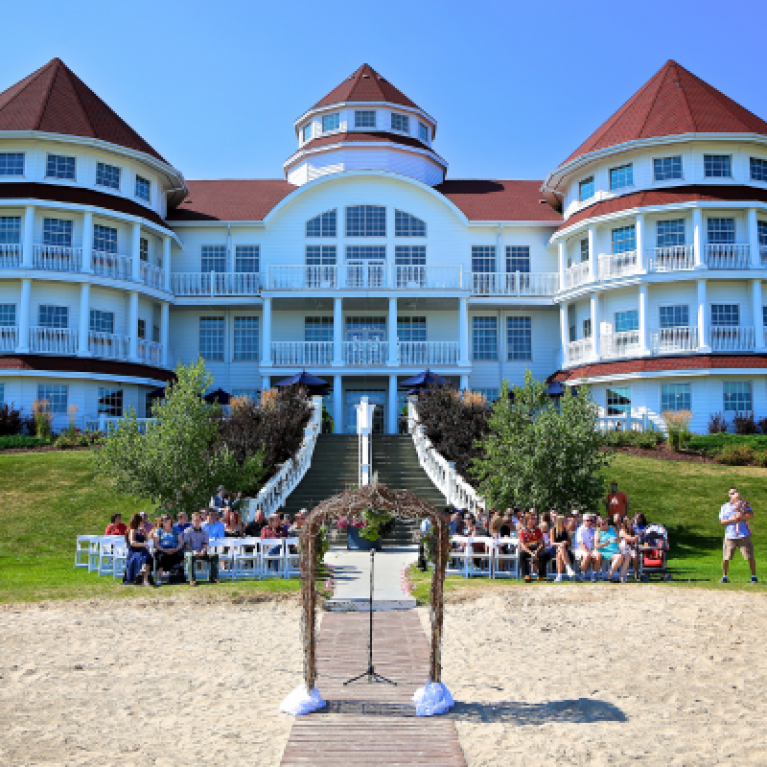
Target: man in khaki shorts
x=734 y=515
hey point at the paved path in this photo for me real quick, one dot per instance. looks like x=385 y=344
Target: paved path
x=372 y=724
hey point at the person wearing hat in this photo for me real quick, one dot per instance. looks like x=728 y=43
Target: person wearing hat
x=219 y=500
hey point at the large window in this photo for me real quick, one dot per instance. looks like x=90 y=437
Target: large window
x=367 y=252
x=246 y=258
x=619 y=400
x=111 y=402
x=670 y=233
x=586 y=189
x=717 y=165
x=366 y=221
x=307 y=132
x=675 y=397
x=725 y=315
x=53 y=316
x=585 y=250
x=11 y=164
x=758 y=169
x=104 y=239
x=10 y=230
x=212 y=338
x=318 y=329
x=624 y=239
x=331 y=122
x=55 y=395
x=622 y=176
x=60 y=167
x=7 y=316
x=320 y=255
x=400 y=123
x=245 y=338
x=677 y=316
x=107 y=175
x=141 y=330
x=721 y=231
x=485 y=338
x=411 y=329
x=365 y=118
x=519 y=338
x=143 y=188
x=518 y=258
x=483 y=259
x=667 y=168
x=406 y=225
x=57 y=232
x=737 y=396
x=626 y=321
x=410 y=255
x=102 y=322
x=323 y=225
x=213 y=258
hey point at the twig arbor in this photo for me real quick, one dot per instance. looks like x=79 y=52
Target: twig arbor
x=375 y=497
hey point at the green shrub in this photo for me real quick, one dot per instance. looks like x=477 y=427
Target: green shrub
x=644 y=439
x=761 y=459
x=15 y=441
x=69 y=439
x=736 y=455
x=711 y=444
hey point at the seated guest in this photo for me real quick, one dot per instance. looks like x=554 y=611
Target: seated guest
x=233 y=527
x=182 y=522
x=139 y=559
x=640 y=524
x=146 y=525
x=456 y=524
x=585 y=552
x=559 y=549
x=298 y=522
x=606 y=543
x=274 y=529
x=168 y=547
x=116 y=525
x=629 y=543
x=219 y=500
x=507 y=525
x=256 y=525
x=531 y=550
x=196 y=541
x=214 y=525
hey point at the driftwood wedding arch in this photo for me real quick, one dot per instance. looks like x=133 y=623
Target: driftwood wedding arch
x=375 y=497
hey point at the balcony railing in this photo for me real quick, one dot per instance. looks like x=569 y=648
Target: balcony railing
x=111 y=265
x=613 y=265
x=9 y=338
x=580 y=351
x=365 y=277
x=303 y=277
x=734 y=256
x=365 y=353
x=10 y=256
x=577 y=274
x=302 y=353
x=672 y=340
x=731 y=339
x=216 y=283
x=57 y=258
x=623 y=344
x=151 y=275
x=674 y=258
x=515 y=283
x=109 y=346
x=53 y=340
x=434 y=277
x=428 y=352
x=149 y=352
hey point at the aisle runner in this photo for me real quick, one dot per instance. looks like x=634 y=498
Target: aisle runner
x=372 y=724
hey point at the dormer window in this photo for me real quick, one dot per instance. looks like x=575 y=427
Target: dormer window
x=423 y=133
x=400 y=123
x=667 y=168
x=758 y=169
x=331 y=122
x=586 y=189
x=307 y=132
x=717 y=166
x=622 y=177
x=365 y=119
x=107 y=175
x=143 y=187
x=60 y=167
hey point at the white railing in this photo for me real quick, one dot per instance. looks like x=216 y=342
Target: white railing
x=10 y=256
x=731 y=339
x=302 y=353
x=428 y=352
x=151 y=275
x=442 y=473
x=580 y=351
x=675 y=258
x=57 y=258
x=577 y=274
x=515 y=283
x=670 y=340
x=216 y=283
x=193 y=283
x=108 y=422
x=365 y=441
x=108 y=345
x=726 y=256
x=53 y=340
x=276 y=491
x=613 y=265
x=111 y=265
x=149 y=352
x=364 y=353
x=623 y=344
x=367 y=276
x=625 y=423
x=302 y=277
x=9 y=338
x=434 y=277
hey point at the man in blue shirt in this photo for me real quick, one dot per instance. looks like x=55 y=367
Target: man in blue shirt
x=735 y=516
x=182 y=522
x=214 y=526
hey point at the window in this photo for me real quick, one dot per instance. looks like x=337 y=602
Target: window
x=53 y=316
x=764 y=316
x=143 y=249
x=57 y=232
x=675 y=397
x=60 y=167
x=619 y=400
x=307 y=132
x=626 y=321
x=331 y=122
x=762 y=229
x=490 y=395
x=737 y=396
x=376 y=252
x=107 y=175
x=587 y=328
x=323 y=225
x=365 y=119
x=10 y=230
x=585 y=251
x=624 y=239
x=716 y=165
x=519 y=338
x=674 y=316
x=156 y=334
x=320 y=255
x=586 y=189
x=573 y=333
x=7 y=316
x=400 y=123
x=366 y=221
x=318 y=329
x=721 y=231
x=410 y=255
x=485 y=338
x=55 y=395
x=111 y=402
x=758 y=169
x=142 y=330
x=725 y=315
x=245 y=338
x=518 y=258
x=247 y=258
x=213 y=258
x=483 y=259
x=102 y=322
x=212 y=338
x=411 y=329
x=143 y=188
x=406 y=225
x=670 y=233
x=11 y=164
x=104 y=239
x=423 y=133
x=667 y=168
x=622 y=176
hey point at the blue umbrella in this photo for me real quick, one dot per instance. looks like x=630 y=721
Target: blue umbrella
x=555 y=389
x=423 y=381
x=310 y=382
x=219 y=395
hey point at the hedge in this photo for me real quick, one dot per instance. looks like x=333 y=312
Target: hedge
x=711 y=444
x=20 y=440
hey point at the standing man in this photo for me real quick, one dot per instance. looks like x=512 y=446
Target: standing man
x=734 y=515
x=617 y=503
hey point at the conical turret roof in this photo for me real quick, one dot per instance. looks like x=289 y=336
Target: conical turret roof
x=365 y=85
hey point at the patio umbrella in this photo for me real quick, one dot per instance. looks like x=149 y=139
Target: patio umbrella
x=555 y=389
x=310 y=382
x=219 y=395
x=422 y=381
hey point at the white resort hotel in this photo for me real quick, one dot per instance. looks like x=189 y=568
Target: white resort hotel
x=636 y=265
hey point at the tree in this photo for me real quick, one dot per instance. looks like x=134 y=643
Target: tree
x=178 y=460
x=541 y=455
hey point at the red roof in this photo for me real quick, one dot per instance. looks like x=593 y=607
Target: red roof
x=55 y=100
x=672 y=103
x=230 y=200
x=482 y=200
x=365 y=85
x=378 y=136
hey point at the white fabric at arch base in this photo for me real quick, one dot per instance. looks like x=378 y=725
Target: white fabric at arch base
x=433 y=698
x=301 y=701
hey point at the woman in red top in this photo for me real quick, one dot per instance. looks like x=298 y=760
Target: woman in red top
x=531 y=547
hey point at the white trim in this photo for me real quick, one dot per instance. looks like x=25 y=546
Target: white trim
x=368 y=105
x=74 y=375
x=676 y=373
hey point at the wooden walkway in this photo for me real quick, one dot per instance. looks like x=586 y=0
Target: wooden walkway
x=372 y=724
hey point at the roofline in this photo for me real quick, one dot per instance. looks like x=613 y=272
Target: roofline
x=339 y=104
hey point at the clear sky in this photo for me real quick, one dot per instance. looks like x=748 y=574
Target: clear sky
x=514 y=86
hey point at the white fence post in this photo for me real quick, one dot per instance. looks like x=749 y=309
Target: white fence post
x=364 y=436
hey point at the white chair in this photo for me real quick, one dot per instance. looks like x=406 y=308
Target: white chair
x=505 y=562
x=272 y=557
x=481 y=555
x=200 y=570
x=82 y=550
x=247 y=558
x=107 y=545
x=291 y=569
x=458 y=555
x=119 y=559
x=93 y=553
x=225 y=548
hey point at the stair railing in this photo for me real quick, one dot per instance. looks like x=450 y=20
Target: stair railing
x=275 y=492
x=365 y=441
x=457 y=491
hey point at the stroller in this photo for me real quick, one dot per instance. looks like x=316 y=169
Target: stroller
x=653 y=552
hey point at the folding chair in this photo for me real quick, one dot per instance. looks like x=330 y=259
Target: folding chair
x=94 y=545
x=505 y=561
x=291 y=558
x=247 y=558
x=200 y=570
x=225 y=548
x=107 y=545
x=481 y=554
x=119 y=559
x=459 y=555
x=272 y=553
x=82 y=550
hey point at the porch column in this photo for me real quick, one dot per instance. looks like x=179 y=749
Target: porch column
x=265 y=382
x=753 y=239
x=756 y=298
x=87 y=263
x=28 y=244
x=703 y=345
x=338 y=332
x=83 y=347
x=595 y=336
x=639 y=233
x=133 y=326
x=266 y=333
x=164 y=332
x=166 y=262
x=135 y=253
x=697 y=238
x=593 y=260
x=391 y=328
x=644 y=334
x=562 y=250
x=338 y=405
x=24 y=310
x=564 y=331
x=464 y=382
x=463 y=331
x=393 y=419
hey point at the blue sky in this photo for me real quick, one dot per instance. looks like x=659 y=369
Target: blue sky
x=514 y=86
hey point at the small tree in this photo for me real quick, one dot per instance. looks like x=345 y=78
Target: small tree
x=178 y=461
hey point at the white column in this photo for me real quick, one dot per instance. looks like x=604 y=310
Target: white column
x=562 y=263
x=753 y=239
x=338 y=332
x=703 y=345
x=464 y=382
x=697 y=237
x=338 y=405
x=266 y=333
x=593 y=260
x=393 y=419
x=164 y=332
x=28 y=244
x=391 y=332
x=25 y=307
x=595 y=336
x=135 y=253
x=756 y=299
x=83 y=347
x=644 y=335
x=166 y=243
x=564 y=332
x=463 y=330
x=133 y=326
x=87 y=263
x=639 y=233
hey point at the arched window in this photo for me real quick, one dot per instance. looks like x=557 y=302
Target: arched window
x=406 y=225
x=323 y=225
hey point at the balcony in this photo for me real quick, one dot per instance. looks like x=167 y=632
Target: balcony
x=111 y=265
x=515 y=284
x=580 y=351
x=57 y=258
x=734 y=256
x=9 y=338
x=151 y=275
x=365 y=353
x=675 y=258
x=612 y=265
x=674 y=340
x=732 y=339
x=364 y=277
x=53 y=340
x=434 y=277
x=108 y=346
x=10 y=256
x=216 y=284
x=150 y=352
x=428 y=353
x=577 y=274
x=289 y=353
x=623 y=344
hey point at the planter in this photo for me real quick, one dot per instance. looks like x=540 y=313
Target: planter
x=355 y=542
